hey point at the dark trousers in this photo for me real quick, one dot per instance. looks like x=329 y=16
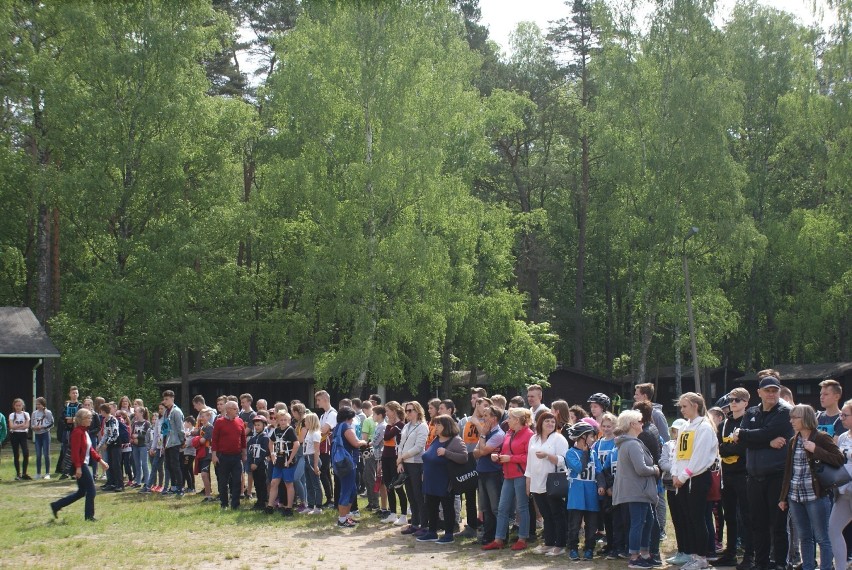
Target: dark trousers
x=555 y=519
x=432 y=505
x=19 y=446
x=173 y=466
x=258 y=476
x=768 y=522
x=735 y=506
x=188 y=476
x=621 y=527
x=679 y=520
x=388 y=475
x=414 y=490
x=114 y=475
x=470 y=509
x=325 y=476
x=692 y=504
x=85 y=488
x=127 y=464
x=230 y=473
x=575 y=517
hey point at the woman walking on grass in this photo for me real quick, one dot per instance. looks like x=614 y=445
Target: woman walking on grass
x=82 y=453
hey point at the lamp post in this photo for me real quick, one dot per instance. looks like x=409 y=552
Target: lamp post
x=692 y=231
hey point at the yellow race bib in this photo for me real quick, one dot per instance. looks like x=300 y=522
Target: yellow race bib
x=685 y=443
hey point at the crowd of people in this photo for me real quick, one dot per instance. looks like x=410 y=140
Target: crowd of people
x=594 y=483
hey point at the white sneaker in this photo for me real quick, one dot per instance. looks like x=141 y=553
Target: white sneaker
x=541 y=549
x=679 y=558
x=401 y=521
x=355 y=515
x=697 y=563
x=391 y=518
x=37 y=477
x=314 y=511
x=46 y=476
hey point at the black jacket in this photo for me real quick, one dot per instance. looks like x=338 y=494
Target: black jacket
x=757 y=429
x=733 y=454
x=650 y=436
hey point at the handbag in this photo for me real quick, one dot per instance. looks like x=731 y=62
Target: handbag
x=557 y=485
x=831 y=477
x=714 y=493
x=463 y=476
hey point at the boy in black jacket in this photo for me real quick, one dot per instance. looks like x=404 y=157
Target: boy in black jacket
x=258 y=451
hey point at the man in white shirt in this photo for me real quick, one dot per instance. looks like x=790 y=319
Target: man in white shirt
x=534 y=401
x=328 y=419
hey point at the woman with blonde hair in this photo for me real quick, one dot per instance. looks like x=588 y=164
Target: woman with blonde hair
x=311 y=460
x=514 y=495
x=697 y=450
x=82 y=452
x=409 y=460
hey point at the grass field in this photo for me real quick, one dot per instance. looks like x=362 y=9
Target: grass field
x=146 y=531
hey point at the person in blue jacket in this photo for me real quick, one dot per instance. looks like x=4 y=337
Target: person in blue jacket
x=587 y=486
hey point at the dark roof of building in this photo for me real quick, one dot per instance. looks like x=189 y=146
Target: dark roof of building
x=590 y=375
x=685 y=372
x=281 y=371
x=821 y=371
x=22 y=336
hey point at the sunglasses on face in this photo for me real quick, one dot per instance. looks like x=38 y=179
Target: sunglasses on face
x=737 y=400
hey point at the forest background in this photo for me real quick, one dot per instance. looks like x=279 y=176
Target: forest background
x=395 y=199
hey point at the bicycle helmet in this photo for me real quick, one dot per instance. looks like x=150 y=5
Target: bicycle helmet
x=580 y=429
x=601 y=399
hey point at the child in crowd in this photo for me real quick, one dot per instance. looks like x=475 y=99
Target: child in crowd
x=202 y=435
x=602 y=448
x=154 y=444
x=311 y=460
x=258 y=451
x=282 y=450
x=41 y=422
x=110 y=442
x=187 y=455
x=139 y=445
x=587 y=485
x=126 y=446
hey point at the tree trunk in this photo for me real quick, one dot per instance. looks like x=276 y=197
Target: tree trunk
x=645 y=348
x=184 y=379
x=677 y=370
x=54 y=262
x=140 y=367
x=446 y=372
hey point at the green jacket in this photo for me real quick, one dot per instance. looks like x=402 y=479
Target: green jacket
x=3 y=429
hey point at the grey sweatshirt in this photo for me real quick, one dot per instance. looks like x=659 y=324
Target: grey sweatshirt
x=635 y=476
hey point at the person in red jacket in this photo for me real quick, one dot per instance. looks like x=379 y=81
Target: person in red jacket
x=514 y=495
x=82 y=453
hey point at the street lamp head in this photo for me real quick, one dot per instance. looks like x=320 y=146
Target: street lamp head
x=692 y=231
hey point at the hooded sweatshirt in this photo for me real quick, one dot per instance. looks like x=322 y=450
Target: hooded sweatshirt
x=636 y=479
x=696 y=450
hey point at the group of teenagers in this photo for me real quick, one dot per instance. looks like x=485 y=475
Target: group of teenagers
x=581 y=474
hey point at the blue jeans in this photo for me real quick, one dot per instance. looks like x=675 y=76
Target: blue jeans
x=490 y=483
x=513 y=496
x=811 y=522
x=140 y=464
x=641 y=521
x=156 y=460
x=312 y=483
x=42 y=445
x=299 y=480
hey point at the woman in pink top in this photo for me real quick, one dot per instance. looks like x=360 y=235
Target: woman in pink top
x=515 y=492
